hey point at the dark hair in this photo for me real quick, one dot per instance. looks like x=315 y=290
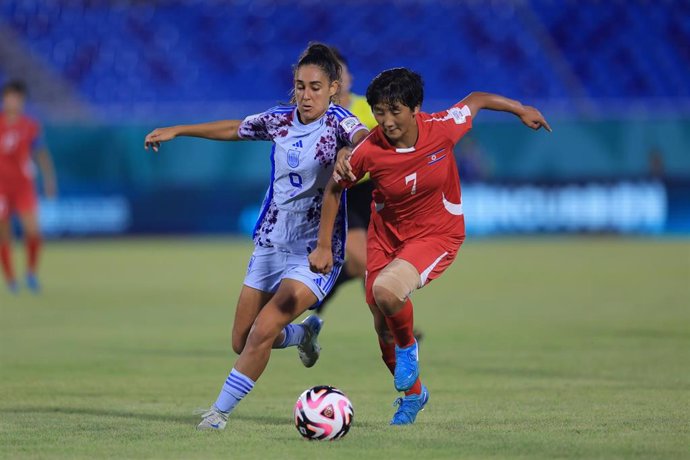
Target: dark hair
x=399 y=85
x=14 y=86
x=339 y=56
x=321 y=55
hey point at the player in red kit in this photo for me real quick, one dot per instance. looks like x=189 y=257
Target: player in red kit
x=417 y=224
x=20 y=142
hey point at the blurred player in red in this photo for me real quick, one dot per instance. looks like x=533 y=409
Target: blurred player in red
x=21 y=141
x=417 y=220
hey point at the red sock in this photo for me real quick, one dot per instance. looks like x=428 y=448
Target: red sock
x=33 y=247
x=6 y=259
x=401 y=325
x=388 y=354
x=416 y=388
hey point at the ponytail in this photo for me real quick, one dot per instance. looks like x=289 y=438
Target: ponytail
x=323 y=56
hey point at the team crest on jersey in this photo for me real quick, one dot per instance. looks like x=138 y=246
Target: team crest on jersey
x=293 y=158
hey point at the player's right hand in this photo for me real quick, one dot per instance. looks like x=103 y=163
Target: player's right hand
x=158 y=135
x=321 y=260
x=343 y=169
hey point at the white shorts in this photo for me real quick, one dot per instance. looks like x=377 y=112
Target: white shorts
x=269 y=266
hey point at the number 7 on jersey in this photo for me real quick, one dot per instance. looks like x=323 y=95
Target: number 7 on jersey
x=412 y=178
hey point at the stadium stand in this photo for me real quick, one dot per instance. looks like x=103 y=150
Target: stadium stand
x=125 y=53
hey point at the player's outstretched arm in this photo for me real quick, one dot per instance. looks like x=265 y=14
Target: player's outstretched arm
x=45 y=164
x=321 y=258
x=224 y=130
x=530 y=116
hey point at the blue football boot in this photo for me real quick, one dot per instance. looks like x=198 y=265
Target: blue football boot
x=32 y=283
x=409 y=407
x=13 y=287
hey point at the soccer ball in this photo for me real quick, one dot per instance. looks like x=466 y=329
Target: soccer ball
x=323 y=413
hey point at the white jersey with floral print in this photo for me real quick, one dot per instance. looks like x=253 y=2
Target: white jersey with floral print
x=302 y=162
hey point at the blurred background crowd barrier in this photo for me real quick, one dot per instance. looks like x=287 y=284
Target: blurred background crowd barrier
x=613 y=79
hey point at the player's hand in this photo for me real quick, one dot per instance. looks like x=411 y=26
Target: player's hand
x=321 y=260
x=532 y=118
x=158 y=135
x=343 y=169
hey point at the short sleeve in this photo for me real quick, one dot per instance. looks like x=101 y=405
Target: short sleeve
x=257 y=127
x=348 y=125
x=454 y=122
x=358 y=164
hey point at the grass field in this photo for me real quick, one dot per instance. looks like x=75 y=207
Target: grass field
x=558 y=348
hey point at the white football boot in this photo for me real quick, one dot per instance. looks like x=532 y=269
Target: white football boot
x=213 y=419
x=309 y=350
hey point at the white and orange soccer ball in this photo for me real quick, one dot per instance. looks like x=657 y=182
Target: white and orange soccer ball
x=323 y=413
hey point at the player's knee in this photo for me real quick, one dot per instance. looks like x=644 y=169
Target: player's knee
x=30 y=226
x=385 y=299
x=394 y=284
x=32 y=233
x=262 y=334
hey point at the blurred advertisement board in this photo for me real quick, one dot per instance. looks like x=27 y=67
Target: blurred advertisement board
x=643 y=207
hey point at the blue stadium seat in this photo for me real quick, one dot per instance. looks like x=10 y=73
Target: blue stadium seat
x=243 y=51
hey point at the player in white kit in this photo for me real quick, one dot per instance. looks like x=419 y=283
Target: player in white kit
x=279 y=285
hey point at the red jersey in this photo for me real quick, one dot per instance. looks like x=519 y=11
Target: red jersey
x=417 y=190
x=18 y=139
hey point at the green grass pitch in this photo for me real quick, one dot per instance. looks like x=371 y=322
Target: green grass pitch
x=533 y=348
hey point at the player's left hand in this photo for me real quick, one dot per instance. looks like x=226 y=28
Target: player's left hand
x=321 y=260
x=532 y=118
x=158 y=135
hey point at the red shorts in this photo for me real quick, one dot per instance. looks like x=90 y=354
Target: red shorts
x=17 y=198
x=431 y=256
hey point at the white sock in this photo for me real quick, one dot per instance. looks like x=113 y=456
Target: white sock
x=236 y=387
x=294 y=334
